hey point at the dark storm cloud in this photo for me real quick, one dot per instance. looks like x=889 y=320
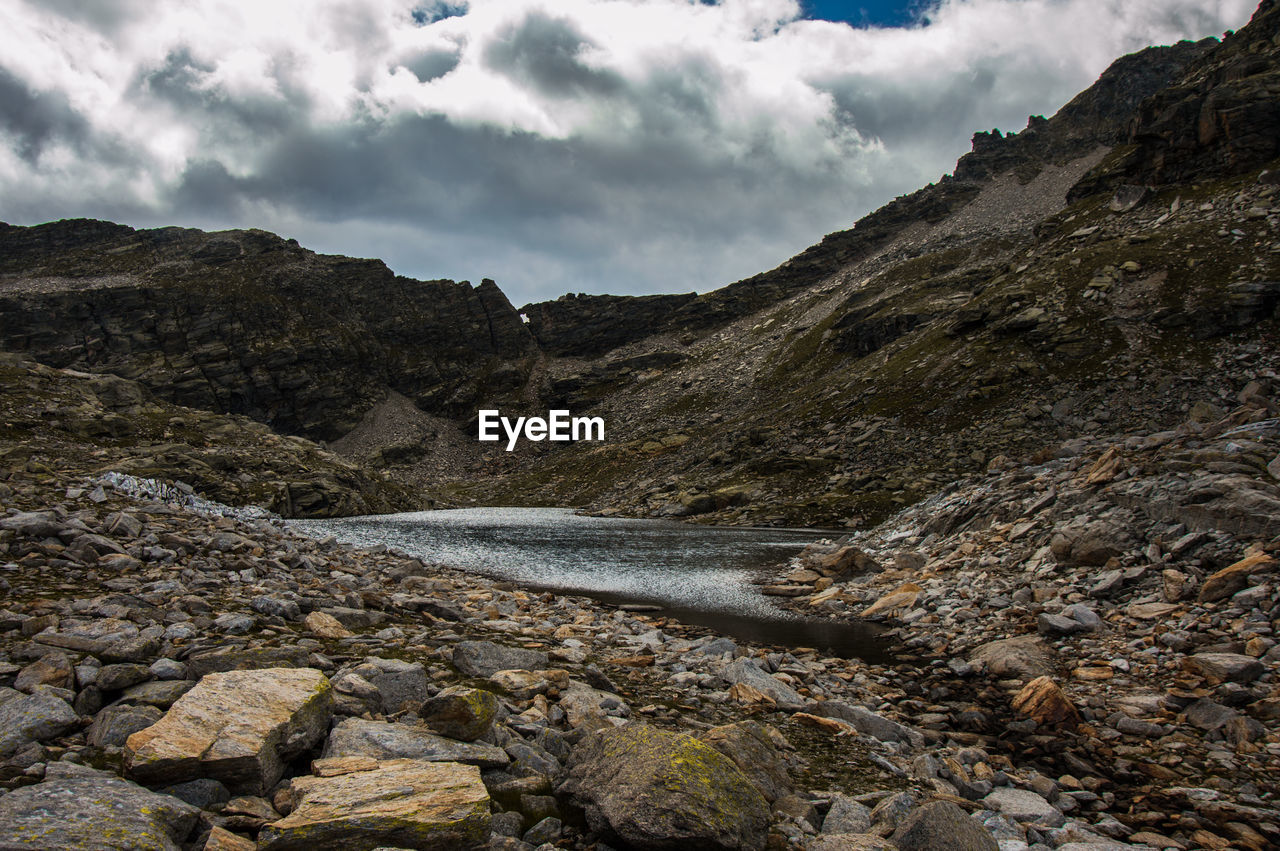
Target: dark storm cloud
x=895 y=114
x=179 y=81
x=433 y=64
x=547 y=52
x=37 y=119
x=575 y=145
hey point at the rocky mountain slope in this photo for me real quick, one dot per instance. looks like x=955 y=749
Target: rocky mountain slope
x=1079 y=285
x=998 y=311
x=63 y=424
x=1088 y=662
x=245 y=322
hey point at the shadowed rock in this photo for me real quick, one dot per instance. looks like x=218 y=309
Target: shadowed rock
x=664 y=791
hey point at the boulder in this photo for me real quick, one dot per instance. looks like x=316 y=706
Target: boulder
x=121 y=676
x=27 y=718
x=33 y=524
x=1022 y=657
x=113 y=726
x=942 y=824
x=847 y=561
x=591 y=708
x=325 y=626
x=244 y=659
x=380 y=740
x=900 y=598
x=1042 y=700
x=653 y=789
x=1054 y=626
x=51 y=669
x=1209 y=715
x=484 y=658
x=746 y=671
x=891 y=812
x=238 y=727
x=400 y=803
x=846 y=816
x=78 y=807
x=402 y=685
x=460 y=713
x=523 y=685
x=864 y=721
x=1024 y=806
x=1224 y=667
x=1093 y=544
x=1235 y=577
x=221 y=839
x=753 y=747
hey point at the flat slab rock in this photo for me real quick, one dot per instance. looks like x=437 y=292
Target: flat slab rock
x=237 y=727
x=485 y=658
x=382 y=740
x=401 y=803
x=78 y=807
x=1024 y=806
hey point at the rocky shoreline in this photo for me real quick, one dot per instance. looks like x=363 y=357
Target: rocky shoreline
x=198 y=679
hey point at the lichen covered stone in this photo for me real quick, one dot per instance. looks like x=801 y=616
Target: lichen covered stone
x=401 y=803
x=658 y=790
x=238 y=727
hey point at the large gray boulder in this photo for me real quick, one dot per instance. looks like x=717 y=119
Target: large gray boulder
x=747 y=672
x=78 y=807
x=402 y=685
x=652 y=789
x=113 y=726
x=484 y=658
x=1022 y=657
x=1024 y=806
x=942 y=824
x=27 y=718
x=846 y=816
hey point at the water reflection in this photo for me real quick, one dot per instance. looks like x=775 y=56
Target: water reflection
x=699 y=574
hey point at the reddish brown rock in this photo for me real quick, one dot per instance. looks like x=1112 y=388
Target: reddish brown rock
x=1042 y=700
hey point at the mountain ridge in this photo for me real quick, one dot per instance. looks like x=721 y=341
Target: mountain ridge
x=975 y=312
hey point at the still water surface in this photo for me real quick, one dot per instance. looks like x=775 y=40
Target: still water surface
x=699 y=574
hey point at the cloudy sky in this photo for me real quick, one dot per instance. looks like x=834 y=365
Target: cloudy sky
x=620 y=146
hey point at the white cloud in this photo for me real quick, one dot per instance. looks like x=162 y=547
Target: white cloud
x=597 y=145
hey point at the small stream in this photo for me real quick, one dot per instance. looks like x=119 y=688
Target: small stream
x=698 y=574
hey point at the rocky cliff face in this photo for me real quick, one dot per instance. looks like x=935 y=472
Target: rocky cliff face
x=246 y=322
x=591 y=325
x=1220 y=117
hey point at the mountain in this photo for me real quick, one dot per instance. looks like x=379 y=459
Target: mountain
x=1108 y=268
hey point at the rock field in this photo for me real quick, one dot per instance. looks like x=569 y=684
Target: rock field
x=1087 y=661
